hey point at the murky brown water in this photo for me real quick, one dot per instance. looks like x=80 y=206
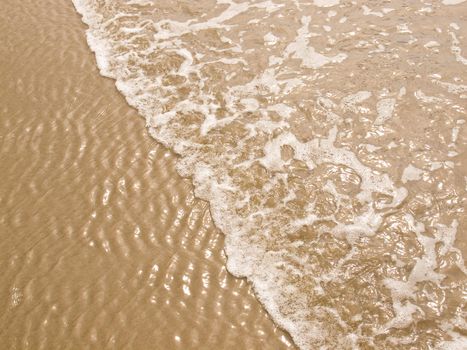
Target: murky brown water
x=102 y=244
x=328 y=137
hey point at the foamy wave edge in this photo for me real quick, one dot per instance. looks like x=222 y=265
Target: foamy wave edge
x=101 y=51
x=235 y=249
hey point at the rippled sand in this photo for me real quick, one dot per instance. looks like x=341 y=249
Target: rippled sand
x=102 y=244
x=328 y=137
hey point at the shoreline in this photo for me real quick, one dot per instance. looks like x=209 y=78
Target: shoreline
x=255 y=246
x=102 y=239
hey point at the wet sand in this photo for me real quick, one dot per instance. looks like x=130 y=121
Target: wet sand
x=102 y=244
x=328 y=138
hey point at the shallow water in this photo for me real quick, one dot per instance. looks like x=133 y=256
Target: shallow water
x=328 y=138
x=102 y=244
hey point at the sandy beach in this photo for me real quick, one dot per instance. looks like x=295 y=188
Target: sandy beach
x=103 y=245
x=233 y=174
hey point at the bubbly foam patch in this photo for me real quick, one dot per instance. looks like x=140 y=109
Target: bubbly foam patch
x=452 y=2
x=326 y=3
x=296 y=123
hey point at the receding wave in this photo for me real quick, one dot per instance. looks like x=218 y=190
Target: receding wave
x=329 y=139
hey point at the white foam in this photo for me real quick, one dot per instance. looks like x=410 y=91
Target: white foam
x=453 y=2
x=270 y=39
x=456 y=50
x=385 y=108
x=350 y=101
x=431 y=44
x=367 y=12
x=411 y=173
x=326 y=3
x=263 y=105
x=310 y=58
x=452 y=88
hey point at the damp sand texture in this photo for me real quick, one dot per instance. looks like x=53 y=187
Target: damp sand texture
x=102 y=244
x=328 y=139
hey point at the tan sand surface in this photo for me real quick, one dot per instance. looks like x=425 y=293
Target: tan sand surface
x=102 y=244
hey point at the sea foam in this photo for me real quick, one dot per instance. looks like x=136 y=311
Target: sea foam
x=293 y=128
